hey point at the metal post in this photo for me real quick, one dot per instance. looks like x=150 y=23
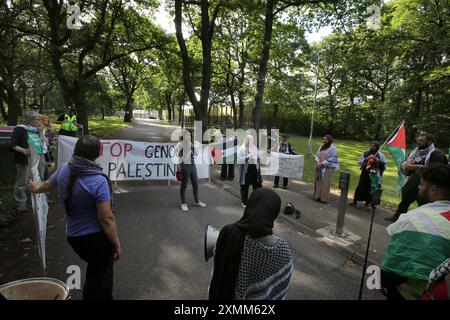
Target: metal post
x=344 y=181
x=376 y=199
x=314 y=108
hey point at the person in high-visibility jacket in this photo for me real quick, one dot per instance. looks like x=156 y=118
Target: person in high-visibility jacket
x=69 y=122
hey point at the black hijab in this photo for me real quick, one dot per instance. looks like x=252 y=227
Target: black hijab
x=373 y=152
x=262 y=209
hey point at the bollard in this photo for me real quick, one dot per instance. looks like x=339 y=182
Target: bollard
x=344 y=183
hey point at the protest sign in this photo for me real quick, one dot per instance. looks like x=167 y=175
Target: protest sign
x=284 y=165
x=132 y=160
x=40 y=206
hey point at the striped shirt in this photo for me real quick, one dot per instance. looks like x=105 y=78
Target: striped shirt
x=264 y=271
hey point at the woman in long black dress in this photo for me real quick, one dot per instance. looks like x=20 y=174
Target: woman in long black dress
x=373 y=164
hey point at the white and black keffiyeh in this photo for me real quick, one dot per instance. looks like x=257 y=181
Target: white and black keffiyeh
x=264 y=271
x=437 y=274
x=421 y=156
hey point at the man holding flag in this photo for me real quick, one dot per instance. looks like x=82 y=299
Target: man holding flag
x=410 y=170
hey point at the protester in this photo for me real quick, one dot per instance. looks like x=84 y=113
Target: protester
x=327 y=162
x=251 y=263
x=372 y=164
x=249 y=168
x=186 y=152
x=24 y=137
x=49 y=135
x=69 y=122
x=227 y=165
x=423 y=155
x=90 y=223
x=420 y=239
x=286 y=148
x=35 y=107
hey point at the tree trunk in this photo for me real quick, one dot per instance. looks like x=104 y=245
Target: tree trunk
x=331 y=106
x=3 y=111
x=235 y=118
x=207 y=31
x=241 y=108
x=14 y=110
x=167 y=96
x=274 y=120
x=233 y=105
x=262 y=71
x=180 y=113
x=185 y=57
x=128 y=110
x=41 y=102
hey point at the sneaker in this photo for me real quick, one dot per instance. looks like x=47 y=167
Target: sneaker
x=200 y=204
x=284 y=187
x=184 y=207
x=275 y=186
x=243 y=205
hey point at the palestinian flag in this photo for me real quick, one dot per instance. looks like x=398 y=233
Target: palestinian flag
x=397 y=147
x=420 y=241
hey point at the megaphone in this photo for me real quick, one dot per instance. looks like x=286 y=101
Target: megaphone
x=211 y=235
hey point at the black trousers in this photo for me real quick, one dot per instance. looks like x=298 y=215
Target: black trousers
x=410 y=192
x=227 y=171
x=189 y=172
x=251 y=178
x=97 y=251
x=276 y=181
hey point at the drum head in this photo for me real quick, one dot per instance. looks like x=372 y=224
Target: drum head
x=35 y=289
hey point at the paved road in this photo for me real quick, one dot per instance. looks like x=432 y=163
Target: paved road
x=163 y=246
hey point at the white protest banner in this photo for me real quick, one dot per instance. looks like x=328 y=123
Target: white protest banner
x=284 y=165
x=133 y=160
x=40 y=207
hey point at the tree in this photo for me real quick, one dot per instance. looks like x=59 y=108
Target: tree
x=207 y=13
x=115 y=31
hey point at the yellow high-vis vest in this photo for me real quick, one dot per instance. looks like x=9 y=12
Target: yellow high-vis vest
x=70 y=123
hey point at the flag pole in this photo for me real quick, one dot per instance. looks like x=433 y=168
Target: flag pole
x=392 y=133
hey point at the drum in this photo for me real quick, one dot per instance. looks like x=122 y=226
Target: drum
x=35 y=289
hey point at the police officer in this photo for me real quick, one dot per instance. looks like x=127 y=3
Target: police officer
x=69 y=122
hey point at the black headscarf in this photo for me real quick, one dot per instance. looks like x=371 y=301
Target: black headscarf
x=373 y=152
x=262 y=209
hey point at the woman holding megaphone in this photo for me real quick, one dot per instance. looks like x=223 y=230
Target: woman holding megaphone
x=250 y=262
